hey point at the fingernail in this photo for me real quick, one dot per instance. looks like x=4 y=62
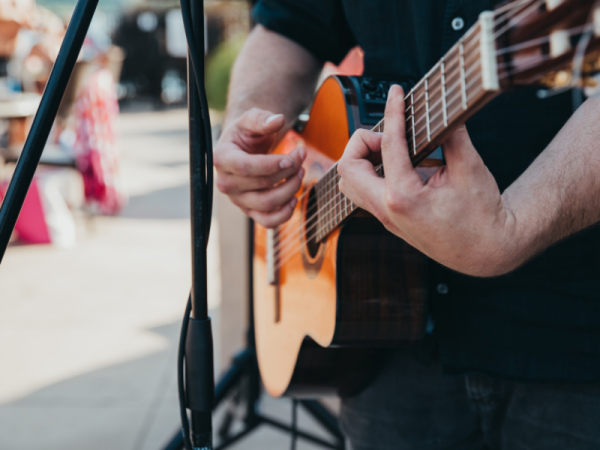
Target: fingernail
x=286 y=163
x=301 y=173
x=272 y=118
x=302 y=152
x=294 y=202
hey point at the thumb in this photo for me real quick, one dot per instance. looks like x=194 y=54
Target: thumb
x=258 y=122
x=460 y=154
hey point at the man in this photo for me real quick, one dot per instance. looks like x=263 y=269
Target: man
x=513 y=361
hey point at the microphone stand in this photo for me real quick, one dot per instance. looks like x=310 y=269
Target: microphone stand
x=199 y=365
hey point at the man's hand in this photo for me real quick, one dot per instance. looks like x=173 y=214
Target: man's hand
x=262 y=185
x=457 y=217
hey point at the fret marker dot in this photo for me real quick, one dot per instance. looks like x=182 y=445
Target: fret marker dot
x=458 y=23
x=442 y=288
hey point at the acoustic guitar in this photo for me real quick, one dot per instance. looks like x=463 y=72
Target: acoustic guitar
x=331 y=286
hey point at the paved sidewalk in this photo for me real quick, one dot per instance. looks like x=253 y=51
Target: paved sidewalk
x=88 y=335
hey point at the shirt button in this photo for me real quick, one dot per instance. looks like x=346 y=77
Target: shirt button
x=458 y=23
x=442 y=288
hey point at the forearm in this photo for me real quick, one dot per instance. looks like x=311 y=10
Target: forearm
x=274 y=74
x=559 y=194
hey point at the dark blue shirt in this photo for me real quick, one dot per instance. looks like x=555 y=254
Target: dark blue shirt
x=540 y=322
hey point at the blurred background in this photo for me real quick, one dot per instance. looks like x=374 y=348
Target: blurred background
x=94 y=284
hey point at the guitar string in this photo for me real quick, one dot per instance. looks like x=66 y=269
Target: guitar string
x=337 y=199
x=512 y=7
x=452 y=100
x=519 y=18
x=448 y=93
x=501 y=13
x=284 y=254
x=289 y=236
x=572 y=31
x=527 y=63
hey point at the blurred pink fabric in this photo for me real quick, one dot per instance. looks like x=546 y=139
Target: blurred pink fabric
x=96 y=111
x=31 y=225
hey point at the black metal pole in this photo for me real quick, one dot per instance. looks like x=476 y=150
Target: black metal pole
x=42 y=123
x=199 y=348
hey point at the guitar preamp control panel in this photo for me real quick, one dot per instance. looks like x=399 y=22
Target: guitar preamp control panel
x=372 y=96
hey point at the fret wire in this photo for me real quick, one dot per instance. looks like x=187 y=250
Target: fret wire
x=320 y=218
x=468 y=73
x=345 y=205
x=332 y=193
x=412 y=105
x=463 y=77
x=427 y=108
x=444 y=94
x=452 y=100
x=326 y=211
x=433 y=69
x=338 y=210
x=474 y=94
x=470 y=58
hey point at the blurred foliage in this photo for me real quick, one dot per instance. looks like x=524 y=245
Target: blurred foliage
x=218 y=71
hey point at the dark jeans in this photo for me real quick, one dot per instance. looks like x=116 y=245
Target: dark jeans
x=412 y=406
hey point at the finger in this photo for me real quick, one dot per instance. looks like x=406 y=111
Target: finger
x=235 y=184
x=361 y=145
x=260 y=122
x=231 y=159
x=276 y=218
x=460 y=154
x=394 y=149
x=361 y=184
x=270 y=199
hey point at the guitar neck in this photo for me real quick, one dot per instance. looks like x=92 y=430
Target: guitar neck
x=461 y=82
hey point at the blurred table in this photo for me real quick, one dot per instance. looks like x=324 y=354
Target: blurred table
x=17 y=111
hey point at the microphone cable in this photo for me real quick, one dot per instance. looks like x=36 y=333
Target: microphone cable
x=196 y=60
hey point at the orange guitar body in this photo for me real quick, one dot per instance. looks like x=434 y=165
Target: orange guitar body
x=315 y=330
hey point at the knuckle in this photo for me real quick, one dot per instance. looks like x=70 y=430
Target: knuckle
x=218 y=159
x=270 y=203
x=237 y=201
x=363 y=133
x=394 y=200
x=224 y=185
x=289 y=211
x=266 y=202
x=242 y=167
x=264 y=183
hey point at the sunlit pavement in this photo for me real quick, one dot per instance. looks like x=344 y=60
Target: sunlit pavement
x=88 y=335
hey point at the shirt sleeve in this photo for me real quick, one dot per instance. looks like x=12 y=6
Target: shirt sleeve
x=319 y=26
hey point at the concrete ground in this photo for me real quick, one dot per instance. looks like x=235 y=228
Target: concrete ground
x=88 y=335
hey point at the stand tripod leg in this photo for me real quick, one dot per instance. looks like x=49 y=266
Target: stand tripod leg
x=323 y=416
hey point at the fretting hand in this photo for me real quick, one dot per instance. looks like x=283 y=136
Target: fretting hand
x=457 y=217
x=263 y=186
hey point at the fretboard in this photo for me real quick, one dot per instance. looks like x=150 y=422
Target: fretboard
x=454 y=89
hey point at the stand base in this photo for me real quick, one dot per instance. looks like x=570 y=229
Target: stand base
x=241 y=383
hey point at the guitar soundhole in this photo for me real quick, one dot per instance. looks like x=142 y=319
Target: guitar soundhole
x=312 y=244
